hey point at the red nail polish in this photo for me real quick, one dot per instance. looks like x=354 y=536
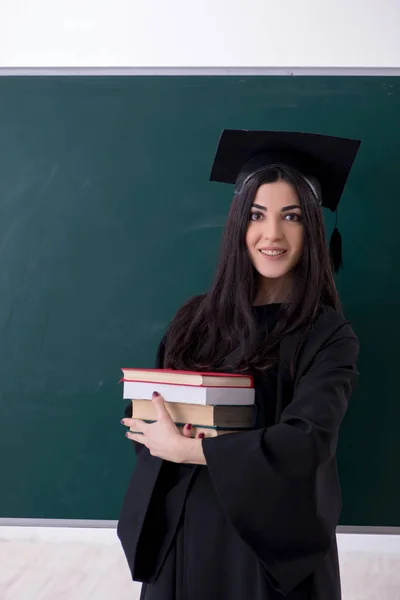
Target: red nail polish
x=189 y=426
x=201 y=435
x=156 y=394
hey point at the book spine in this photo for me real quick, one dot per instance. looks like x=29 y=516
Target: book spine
x=196 y=373
x=197 y=395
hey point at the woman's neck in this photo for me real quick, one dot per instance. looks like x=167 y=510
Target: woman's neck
x=271 y=291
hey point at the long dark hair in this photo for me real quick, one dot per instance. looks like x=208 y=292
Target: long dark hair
x=220 y=324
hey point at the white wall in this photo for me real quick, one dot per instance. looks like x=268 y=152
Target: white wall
x=200 y=33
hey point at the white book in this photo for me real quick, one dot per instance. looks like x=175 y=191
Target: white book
x=207 y=396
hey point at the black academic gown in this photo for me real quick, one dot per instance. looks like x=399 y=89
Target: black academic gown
x=259 y=520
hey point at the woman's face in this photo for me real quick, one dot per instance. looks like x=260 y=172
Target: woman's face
x=275 y=233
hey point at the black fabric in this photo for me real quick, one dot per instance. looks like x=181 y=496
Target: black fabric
x=259 y=520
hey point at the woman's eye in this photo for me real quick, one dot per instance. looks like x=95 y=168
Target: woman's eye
x=292 y=217
x=256 y=216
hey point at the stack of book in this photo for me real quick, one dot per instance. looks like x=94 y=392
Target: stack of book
x=213 y=403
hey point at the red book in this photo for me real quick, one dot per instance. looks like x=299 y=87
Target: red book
x=191 y=378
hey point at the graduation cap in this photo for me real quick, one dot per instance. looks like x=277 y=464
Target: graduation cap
x=324 y=162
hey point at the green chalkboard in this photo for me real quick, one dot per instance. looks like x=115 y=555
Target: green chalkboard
x=108 y=223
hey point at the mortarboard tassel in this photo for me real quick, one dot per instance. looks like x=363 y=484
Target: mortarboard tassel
x=335 y=249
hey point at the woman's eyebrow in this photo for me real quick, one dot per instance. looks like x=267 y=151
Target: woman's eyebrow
x=290 y=207
x=283 y=209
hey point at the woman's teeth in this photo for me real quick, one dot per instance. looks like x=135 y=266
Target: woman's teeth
x=272 y=252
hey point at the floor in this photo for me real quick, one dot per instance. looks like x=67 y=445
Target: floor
x=54 y=563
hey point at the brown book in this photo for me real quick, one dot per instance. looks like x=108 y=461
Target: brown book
x=208 y=431
x=198 y=414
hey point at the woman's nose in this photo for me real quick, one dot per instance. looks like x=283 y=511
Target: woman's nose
x=272 y=229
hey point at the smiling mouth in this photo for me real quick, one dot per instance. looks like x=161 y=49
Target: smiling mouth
x=272 y=253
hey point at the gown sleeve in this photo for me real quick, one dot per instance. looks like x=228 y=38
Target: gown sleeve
x=279 y=485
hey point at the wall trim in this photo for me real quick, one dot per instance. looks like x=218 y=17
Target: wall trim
x=199 y=71
x=105 y=524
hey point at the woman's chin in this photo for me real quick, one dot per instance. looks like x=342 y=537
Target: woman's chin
x=272 y=272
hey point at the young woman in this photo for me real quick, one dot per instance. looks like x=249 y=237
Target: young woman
x=252 y=515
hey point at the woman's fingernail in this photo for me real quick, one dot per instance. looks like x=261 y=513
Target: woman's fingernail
x=201 y=435
x=122 y=422
x=156 y=394
x=189 y=426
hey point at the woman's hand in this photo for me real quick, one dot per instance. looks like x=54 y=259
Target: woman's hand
x=163 y=438
x=188 y=433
